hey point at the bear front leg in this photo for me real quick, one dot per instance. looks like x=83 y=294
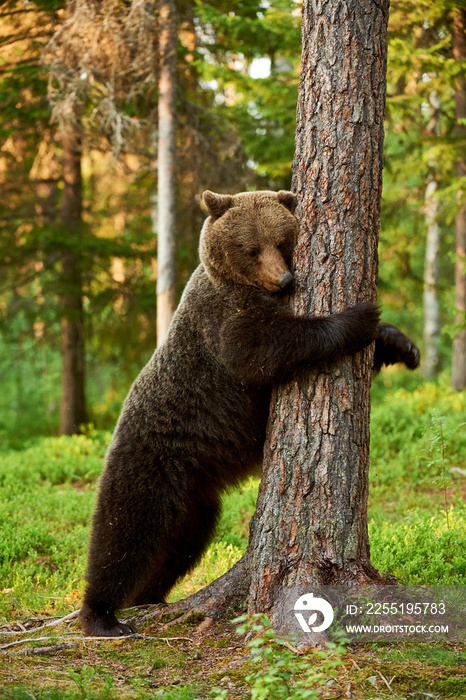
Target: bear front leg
x=259 y=348
x=393 y=346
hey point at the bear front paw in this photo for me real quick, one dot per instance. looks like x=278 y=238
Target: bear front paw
x=361 y=325
x=393 y=346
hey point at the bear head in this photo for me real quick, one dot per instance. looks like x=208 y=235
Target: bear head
x=249 y=238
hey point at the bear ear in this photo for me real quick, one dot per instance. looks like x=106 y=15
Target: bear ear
x=288 y=199
x=217 y=204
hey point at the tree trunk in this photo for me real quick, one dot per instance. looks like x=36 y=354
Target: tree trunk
x=166 y=193
x=310 y=525
x=458 y=380
x=430 y=365
x=73 y=404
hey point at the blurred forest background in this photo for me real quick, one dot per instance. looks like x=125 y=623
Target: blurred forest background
x=78 y=167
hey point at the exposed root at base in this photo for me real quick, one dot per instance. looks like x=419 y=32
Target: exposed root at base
x=219 y=599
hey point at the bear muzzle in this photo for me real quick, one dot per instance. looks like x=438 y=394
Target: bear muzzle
x=285 y=280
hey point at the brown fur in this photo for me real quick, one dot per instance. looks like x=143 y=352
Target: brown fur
x=194 y=420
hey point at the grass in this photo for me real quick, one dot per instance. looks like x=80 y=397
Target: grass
x=402 y=469
x=47 y=492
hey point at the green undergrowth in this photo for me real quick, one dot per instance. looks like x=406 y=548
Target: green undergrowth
x=422 y=549
x=47 y=492
x=405 y=460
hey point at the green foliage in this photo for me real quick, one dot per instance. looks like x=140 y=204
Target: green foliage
x=439 y=440
x=417 y=516
x=54 y=694
x=282 y=672
x=48 y=488
x=422 y=549
x=402 y=470
x=262 y=108
x=83 y=679
x=184 y=692
x=84 y=690
x=46 y=497
x=237 y=508
x=218 y=558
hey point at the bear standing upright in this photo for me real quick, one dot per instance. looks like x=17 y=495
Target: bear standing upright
x=195 y=418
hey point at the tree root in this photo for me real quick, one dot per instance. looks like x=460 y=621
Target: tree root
x=218 y=600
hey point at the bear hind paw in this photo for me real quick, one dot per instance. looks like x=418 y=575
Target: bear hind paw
x=95 y=625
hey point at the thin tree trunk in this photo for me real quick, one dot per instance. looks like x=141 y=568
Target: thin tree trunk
x=430 y=364
x=166 y=160
x=73 y=404
x=458 y=380
x=310 y=524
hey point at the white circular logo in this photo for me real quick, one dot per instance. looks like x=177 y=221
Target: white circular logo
x=308 y=604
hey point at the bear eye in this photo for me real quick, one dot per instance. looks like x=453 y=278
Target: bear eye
x=281 y=246
x=252 y=252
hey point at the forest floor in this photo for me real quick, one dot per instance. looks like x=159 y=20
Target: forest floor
x=202 y=658
x=417 y=529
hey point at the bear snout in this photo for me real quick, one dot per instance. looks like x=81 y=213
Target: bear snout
x=273 y=272
x=286 y=278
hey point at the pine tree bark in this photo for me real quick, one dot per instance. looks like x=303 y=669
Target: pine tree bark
x=73 y=402
x=310 y=525
x=166 y=168
x=458 y=380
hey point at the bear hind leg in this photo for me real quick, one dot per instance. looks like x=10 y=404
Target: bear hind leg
x=182 y=552
x=126 y=543
x=102 y=624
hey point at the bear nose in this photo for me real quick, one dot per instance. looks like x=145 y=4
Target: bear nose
x=285 y=280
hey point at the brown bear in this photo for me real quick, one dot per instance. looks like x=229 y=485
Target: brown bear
x=195 y=418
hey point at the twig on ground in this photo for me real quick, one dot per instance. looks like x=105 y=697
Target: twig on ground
x=23 y=641
x=43 y=651
x=289 y=646
x=92 y=639
x=385 y=681
x=54 y=621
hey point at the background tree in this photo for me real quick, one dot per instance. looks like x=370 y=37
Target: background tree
x=73 y=403
x=459 y=344
x=166 y=168
x=431 y=360
x=33 y=155
x=421 y=148
x=74 y=76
